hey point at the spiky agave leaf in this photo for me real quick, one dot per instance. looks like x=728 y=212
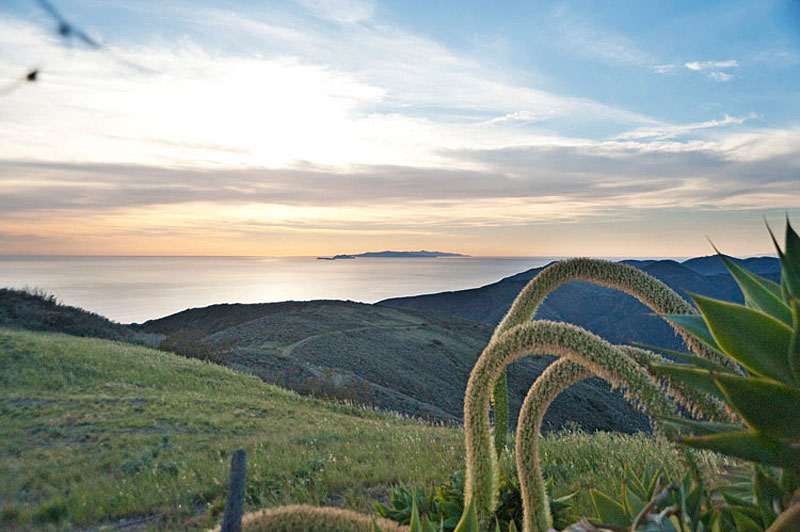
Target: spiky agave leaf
x=750 y=446
x=469 y=521
x=768 y=407
x=695 y=325
x=758 y=292
x=609 y=511
x=699 y=428
x=754 y=339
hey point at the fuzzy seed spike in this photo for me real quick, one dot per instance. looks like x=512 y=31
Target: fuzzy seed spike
x=540 y=337
x=647 y=289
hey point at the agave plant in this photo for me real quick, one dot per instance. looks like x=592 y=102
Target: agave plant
x=762 y=337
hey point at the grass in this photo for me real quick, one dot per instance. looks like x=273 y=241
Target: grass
x=93 y=432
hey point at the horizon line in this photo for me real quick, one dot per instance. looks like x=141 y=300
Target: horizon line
x=462 y=256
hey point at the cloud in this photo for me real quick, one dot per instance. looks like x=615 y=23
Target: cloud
x=667 y=131
x=713 y=68
x=312 y=101
x=719 y=76
x=329 y=124
x=705 y=65
x=665 y=69
x=598 y=176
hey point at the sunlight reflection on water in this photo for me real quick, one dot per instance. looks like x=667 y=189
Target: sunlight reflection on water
x=134 y=289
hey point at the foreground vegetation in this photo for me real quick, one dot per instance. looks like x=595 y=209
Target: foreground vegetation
x=96 y=433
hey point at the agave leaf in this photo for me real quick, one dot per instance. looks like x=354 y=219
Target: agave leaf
x=794 y=345
x=790 y=279
x=745 y=523
x=695 y=325
x=700 y=428
x=741 y=503
x=757 y=293
x=699 y=379
x=769 y=407
x=428 y=526
x=756 y=340
x=633 y=504
x=749 y=446
x=416 y=525
x=469 y=520
x=694 y=501
x=792 y=261
x=375 y=527
x=609 y=511
x=512 y=527
x=635 y=484
x=768 y=496
x=567 y=497
x=652 y=480
x=686 y=358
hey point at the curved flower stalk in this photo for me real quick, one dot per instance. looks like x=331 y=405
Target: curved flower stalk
x=541 y=337
x=558 y=376
x=647 y=289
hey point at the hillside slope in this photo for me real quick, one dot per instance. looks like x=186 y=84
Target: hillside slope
x=95 y=432
x=100 y=435
x=37 y=311
x=413 y=362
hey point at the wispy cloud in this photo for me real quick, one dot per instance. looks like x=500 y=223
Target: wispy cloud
x=603 y=174
x=713 y=68
x=706 y=65
x=669 y=131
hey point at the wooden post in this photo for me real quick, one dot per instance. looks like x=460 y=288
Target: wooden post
x=234 y=505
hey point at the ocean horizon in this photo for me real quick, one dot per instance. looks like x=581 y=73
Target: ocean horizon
x=130 y=289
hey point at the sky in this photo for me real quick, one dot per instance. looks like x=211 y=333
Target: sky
x=306 y=127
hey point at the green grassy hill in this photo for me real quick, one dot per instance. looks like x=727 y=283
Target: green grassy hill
x=99 y=434
x=402 y=360
x=95 y=431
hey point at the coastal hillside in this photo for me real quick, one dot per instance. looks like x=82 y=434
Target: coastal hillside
x=101 y=435
x=403 y=360
x=613 y=315
x=37 y=311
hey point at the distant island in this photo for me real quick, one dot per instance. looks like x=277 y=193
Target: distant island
x=422 y=254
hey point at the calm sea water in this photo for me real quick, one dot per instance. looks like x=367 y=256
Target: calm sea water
x=135 y=289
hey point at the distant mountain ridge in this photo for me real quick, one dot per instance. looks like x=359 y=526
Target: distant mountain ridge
x=613 y=315
x=421 y=254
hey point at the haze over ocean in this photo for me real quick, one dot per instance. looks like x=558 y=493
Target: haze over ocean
x=135 y=289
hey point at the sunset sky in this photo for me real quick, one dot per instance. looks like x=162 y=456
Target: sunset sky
x=319 y=127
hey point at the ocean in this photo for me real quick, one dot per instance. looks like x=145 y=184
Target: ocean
x=136 y=289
